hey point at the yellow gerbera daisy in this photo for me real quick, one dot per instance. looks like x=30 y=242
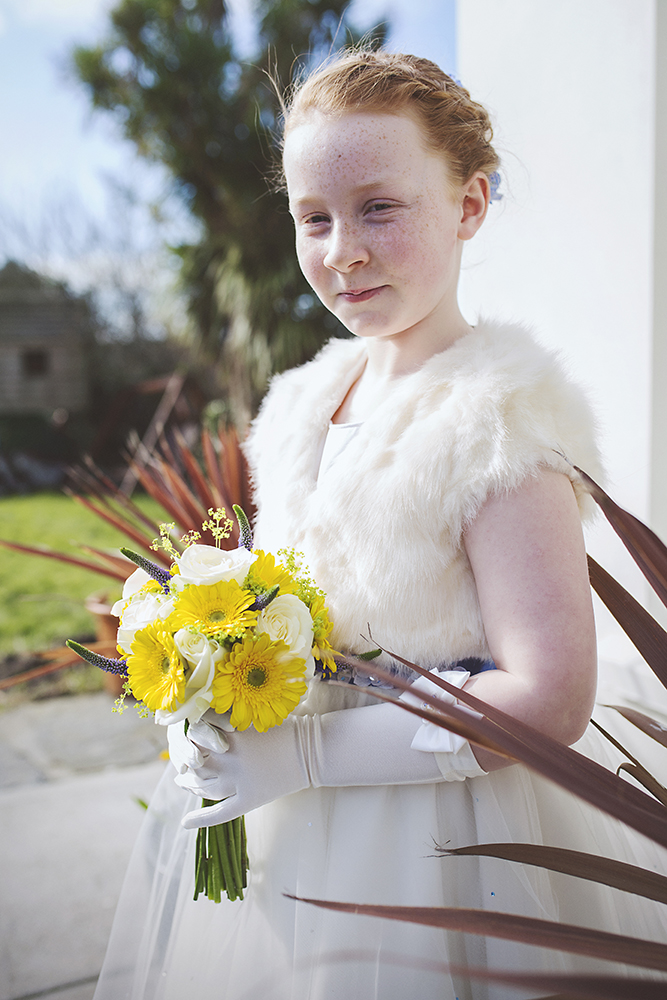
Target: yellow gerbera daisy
x=155 y=669
x=260 y=682
x=214 y=609
x=265 y=573
x=322 y=626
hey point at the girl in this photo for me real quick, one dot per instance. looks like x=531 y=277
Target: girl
x=418 y=467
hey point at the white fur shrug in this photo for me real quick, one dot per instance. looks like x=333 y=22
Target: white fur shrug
x=382 y=534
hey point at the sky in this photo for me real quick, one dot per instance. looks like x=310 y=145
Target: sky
x=63 y=168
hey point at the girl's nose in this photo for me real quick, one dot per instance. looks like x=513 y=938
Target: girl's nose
x=345 y=250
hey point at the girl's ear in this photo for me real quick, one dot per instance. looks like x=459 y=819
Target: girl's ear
x=474 y=196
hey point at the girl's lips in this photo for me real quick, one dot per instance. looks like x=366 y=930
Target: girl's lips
x=362 y=295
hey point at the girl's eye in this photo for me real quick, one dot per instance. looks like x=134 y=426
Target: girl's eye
x=379 y=206
x=316 y=220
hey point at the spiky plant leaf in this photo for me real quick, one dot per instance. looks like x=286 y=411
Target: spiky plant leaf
x=591 y=867
x=656 y=730
x=647 y=550
x=511 y=927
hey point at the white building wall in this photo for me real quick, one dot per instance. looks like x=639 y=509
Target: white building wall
x=571 y=87
x=659 y=429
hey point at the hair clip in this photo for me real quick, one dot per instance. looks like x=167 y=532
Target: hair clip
x=494 y=181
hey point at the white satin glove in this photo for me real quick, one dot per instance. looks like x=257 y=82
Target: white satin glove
x=189 y=750
x=453 y=753
x=358 y=746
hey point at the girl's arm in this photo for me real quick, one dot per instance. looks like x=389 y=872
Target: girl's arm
x=527 y=554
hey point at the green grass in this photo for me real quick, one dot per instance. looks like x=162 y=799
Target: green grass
x=42 y=601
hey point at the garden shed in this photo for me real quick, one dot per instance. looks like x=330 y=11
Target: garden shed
x=45 y=333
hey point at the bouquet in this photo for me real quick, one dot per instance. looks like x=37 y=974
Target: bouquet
x=232 y=630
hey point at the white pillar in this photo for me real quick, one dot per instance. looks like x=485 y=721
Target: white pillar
x=658 y=507
x=570 y=249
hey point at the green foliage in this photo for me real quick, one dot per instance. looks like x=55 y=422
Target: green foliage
x=41 y=601
x=169 y=73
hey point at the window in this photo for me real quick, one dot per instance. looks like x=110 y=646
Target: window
x=34 y=363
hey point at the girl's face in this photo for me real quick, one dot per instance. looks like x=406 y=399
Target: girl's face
x=379 y=225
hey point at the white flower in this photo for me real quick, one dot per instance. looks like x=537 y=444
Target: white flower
x=289 y=619
x=201 y=654
x=139 y=613
x=204 y=564
x=134 y=582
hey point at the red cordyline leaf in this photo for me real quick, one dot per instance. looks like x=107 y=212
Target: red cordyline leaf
x=119 y=563
x=510 y=927
x=642 y=629
x=560 y=764
x=572 y=985
x=155 y=487
x=93 y=481
x=232 y=462
x=235 y=471
x=213 y=471
x=137 y=536
x=648 y=551
x=635 y=768
x=591 y=867
x=63 y=658
x=656 y=730
x=203 y=489
x=194 y=511
x=107 y=571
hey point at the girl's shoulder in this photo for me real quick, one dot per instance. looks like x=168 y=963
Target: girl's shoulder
x=505 y=405
x=503 y=351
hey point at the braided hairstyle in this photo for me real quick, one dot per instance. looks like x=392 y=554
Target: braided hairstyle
x=387 y=82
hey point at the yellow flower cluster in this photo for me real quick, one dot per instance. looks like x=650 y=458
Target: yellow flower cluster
x=256 y=677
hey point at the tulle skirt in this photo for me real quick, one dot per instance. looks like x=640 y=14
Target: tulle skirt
x=367 y=845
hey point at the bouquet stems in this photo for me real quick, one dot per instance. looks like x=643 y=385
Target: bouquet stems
x=221 y=860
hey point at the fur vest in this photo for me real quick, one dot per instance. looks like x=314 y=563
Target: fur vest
x=382 y=533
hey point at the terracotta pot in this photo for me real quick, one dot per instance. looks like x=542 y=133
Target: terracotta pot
x=106 y=626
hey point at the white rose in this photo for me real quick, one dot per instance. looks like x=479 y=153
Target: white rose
x=201 y=654
x=204 y=564
x=134 y=582
x=139 y=613
x=288 y=618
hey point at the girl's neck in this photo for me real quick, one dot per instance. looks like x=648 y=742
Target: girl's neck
x=389 y=360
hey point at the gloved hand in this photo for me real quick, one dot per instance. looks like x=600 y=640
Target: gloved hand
x=255 y=769
x=359 y=746
x=189 y=750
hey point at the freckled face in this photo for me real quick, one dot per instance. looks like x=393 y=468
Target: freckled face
x=377 y=223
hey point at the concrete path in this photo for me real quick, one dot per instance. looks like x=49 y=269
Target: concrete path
x=72 y=774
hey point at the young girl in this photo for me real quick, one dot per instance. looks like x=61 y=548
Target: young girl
x=419 y=467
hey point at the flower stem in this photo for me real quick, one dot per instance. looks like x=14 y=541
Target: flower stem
x=221 y=861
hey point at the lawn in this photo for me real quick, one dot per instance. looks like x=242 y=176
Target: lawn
x=42 y=601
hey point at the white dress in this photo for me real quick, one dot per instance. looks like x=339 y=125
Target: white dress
x=368 y=845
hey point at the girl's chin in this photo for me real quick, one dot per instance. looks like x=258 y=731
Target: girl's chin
x=370 y=329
